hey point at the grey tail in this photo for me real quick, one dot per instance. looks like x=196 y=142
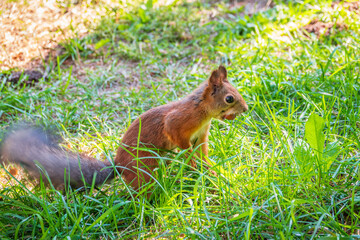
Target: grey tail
x=38 y=153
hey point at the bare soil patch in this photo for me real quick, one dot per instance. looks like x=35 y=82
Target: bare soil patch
x=31 y=28
x=28 y=76
x=321 y=28
x=349 y=6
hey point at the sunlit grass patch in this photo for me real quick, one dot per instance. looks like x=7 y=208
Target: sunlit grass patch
x=288 y=168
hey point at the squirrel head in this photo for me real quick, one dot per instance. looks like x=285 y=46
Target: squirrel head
x=225 y=101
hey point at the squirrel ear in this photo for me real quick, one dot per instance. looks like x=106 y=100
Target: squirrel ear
x=215 y=78
x=218 y=76
x=223 y=72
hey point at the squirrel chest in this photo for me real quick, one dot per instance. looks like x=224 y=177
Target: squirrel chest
x=200 y=133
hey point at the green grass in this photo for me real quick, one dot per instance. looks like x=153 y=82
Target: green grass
x=273 y=182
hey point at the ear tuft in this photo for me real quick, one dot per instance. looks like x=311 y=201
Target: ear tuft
x=215 y=78
x=223 y=73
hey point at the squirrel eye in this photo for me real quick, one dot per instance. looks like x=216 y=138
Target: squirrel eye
x=229 y=99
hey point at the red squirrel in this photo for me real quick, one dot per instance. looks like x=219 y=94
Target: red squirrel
x=181 y=124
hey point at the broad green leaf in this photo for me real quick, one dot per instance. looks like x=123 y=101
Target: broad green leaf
x=331 y=151
x=314 y=132
x=304 y=159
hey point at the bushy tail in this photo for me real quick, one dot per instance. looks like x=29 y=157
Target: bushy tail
x=38 y=151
